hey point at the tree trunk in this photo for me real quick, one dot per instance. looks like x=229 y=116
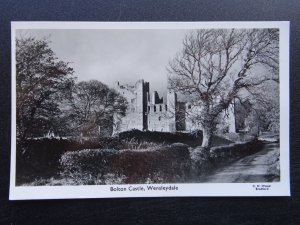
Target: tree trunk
x=207 y=137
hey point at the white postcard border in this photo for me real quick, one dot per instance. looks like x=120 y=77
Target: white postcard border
x=281 y=188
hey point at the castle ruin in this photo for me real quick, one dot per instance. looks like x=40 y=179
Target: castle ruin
x=154 y=114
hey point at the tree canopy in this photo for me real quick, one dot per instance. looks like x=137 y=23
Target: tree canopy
x=41 y=80
x=216 y=66
x=93 y=107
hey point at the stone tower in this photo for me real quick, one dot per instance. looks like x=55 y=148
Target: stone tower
x=136 y=114
x=172 y=105
x=142 y=97
x=231 y=118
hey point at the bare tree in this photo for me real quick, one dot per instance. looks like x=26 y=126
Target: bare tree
x=93 y=106
x=216 y=66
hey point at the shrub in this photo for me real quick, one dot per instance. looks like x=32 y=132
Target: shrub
x=134 y=144
x=166 y=164
x=95 y=166
x=161 y=137
x=87 y=166
x=233 y=151
x=237 y=137
x=40 y=157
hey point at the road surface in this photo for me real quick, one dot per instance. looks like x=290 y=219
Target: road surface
x=258 y=167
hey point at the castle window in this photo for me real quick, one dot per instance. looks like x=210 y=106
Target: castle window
x=166 y=107
x=159 y=118
x=154 y=108
x=148 y=108
x=189 y=106
x=160 y=108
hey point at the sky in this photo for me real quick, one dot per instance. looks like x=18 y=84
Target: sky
x=115 y=55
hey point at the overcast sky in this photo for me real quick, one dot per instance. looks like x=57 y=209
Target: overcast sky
x=115 y=55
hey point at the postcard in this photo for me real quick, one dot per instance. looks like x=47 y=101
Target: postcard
x=149 y=109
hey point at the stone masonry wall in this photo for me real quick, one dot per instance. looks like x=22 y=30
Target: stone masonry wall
x=145 y=113
x=157 y=118
x=135 y=113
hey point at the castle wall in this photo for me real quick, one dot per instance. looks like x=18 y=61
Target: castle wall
x=191 y=120
x=162 y=117
x=227 y=120
x=136 y=97
x=153 y=114
x=158 y=118
x=145 y=99
x=171 y=105
x=156 y=99
x=231 y=119
x=180 y=116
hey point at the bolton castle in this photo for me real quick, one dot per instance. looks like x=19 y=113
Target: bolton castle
x=145 y=112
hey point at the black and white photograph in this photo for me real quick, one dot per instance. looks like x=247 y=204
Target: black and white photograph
x=149 y=109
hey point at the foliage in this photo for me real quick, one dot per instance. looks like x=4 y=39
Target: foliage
x=193 y=139
x=93 y=106
x=215 y=67
x=41 y=82
x=265 y=114
x=103 y=166
x=40 y=157
x=87 y=166
x=118 y=160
